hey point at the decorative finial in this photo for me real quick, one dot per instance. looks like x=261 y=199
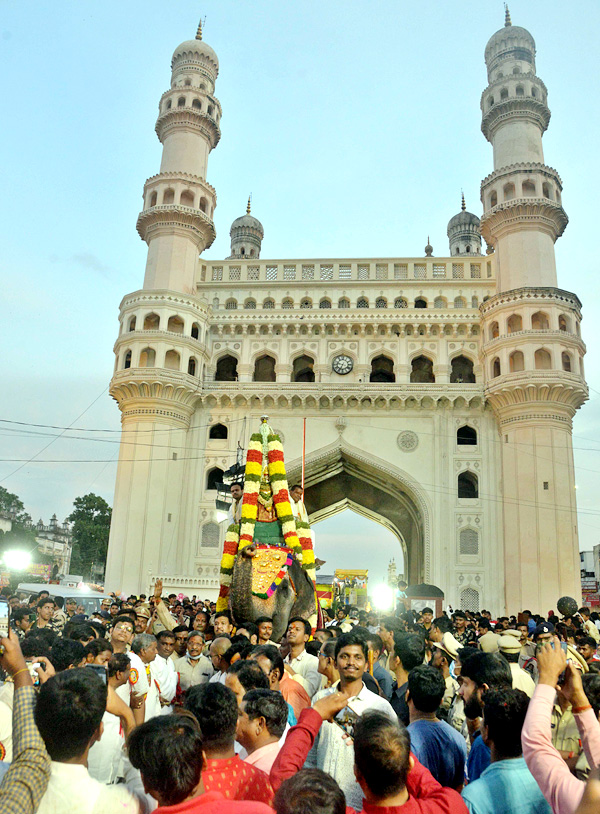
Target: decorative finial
x=507 y=20
x=249 y=202
x=199 y=31
x=463 y=206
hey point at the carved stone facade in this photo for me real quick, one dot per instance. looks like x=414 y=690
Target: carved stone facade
x=438 y=392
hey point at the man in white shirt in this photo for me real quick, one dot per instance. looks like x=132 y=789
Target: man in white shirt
x=331 y=751
x=234 y=513
x=68 y=714
x=193 y=668
x=165 y=670
x=141 y=679
x=218 y=647
x=302 y=667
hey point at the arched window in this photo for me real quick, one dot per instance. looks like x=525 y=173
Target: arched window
x=543 y=360
x=382 y=370
x=504 y=94
x=303 y=369
x=539 y=321
x=218 y=432
x=563 y=325
x=210 y=110
x=344 y=303
x=250 y=305
x=181 y=101
x=132 y=322
x=533 y=92
x=195 y=330
x=169 y=105
x=306 y=303
x=468 y=543
x=197 y=104
x=566 y=361
x=175 y=325
x=269 y=304
x=154 y=198
x=192 y=366
x=546 y=190
x=494 y=198
x=287 y=303
x=172 y=360
x=325 y=303
x=466 y=436
x=226 y=369
x=213 y=477
x=528 y=188
x=148 y=358
x=210 y=535
x=516 y=362
x=400 y=302
x=439 y=302
x=516 y=69
x=362 y=302
x=474 y=302
x=231 y=305
x=496 y=369
x=468 y=248
x=187 y=198
x=168 y=196
x=420 y=302
x=490 y=101
x=514 y=323
x=422 y=370
x=151 y=322
x=520 y=90
x=468 y=485
x=381 y=302
x=462 y=371
x=127 y=360
x=469 y=600
x=460 y=302
x=494 y=331
x=264 y=369
x=509 y=191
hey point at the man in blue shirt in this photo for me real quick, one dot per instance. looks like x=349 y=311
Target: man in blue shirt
x=507 y=784
x=481 y=672
x=438 y=746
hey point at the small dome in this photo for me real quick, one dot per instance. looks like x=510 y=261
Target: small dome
x=247 y=222
x=197 y=46
x=509 y=38
x=463 y=218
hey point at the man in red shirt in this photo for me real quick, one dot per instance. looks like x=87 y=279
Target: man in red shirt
x=391 y=778
x=167 y=750
x=215 y=708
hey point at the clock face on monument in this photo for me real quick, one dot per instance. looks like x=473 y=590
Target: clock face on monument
x=342 y=365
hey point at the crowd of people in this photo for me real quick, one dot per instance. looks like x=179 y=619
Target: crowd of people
x=161 y=703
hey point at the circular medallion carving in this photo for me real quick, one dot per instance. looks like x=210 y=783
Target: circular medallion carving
x=408 y=441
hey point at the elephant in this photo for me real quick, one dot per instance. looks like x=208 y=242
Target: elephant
x=295 y=595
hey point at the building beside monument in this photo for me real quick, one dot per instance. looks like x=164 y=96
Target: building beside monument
x=438 y=392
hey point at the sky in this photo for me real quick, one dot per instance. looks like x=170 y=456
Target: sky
x=354 y=126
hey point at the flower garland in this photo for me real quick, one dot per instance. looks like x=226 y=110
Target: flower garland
x=281 y=498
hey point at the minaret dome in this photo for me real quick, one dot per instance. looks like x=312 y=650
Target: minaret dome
x=246 y=235
x=463 y=232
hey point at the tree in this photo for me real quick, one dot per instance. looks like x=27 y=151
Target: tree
x=91 y=525
x=21 y=535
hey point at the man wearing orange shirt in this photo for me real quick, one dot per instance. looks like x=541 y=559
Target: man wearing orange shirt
x=269 y=659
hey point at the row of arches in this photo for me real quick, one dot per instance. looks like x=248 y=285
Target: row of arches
x=172 y=360
x=196 y=104
x=542 y=360
x=520 y=91
x=382 y=370
x=540 y=321
x=186 y=197
x=527 y=189
x=175 y=325
x=362 y=302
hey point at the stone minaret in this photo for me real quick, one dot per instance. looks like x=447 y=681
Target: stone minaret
x=161 y=351
x=533 y=353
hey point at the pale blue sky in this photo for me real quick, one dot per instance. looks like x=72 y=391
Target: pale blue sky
x=354 y=125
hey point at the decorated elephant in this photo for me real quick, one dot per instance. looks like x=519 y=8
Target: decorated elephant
x=268 y=565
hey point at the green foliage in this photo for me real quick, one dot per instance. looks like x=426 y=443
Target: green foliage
x=13 y=506
x=91 y=525
x=21 y=535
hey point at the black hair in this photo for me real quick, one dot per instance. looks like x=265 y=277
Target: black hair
x=328 y=648
x=504 y=714
x=98 y=627
x=46 y=634
x=410 y=649
x=465 y=652
x=591 y=687
x=34 y=646
x=223 y=613
x=215 y=708
x=19 y=614
x=262 y=619
x=487 y=668
x=307 y=627
x=66 y=653
x=381 y=753
x=68 y=711
x=426 y=686
x=45 y=600
x=269 y=651
x=309 y=791
x=271 y=706
x=167 y=750
x=375 y=641
x=251 y=627
x=352 y=638
x=118 y=663
x=427 y=610
x=59 y=601
x=98 y=646
x=484 y=622
x=586 y=611
x=313 y=647
x=122 y=617
x=164 y=634
x=180 y=629
x=443 y=624
x=324 y=630
x=459 y=614
x=250 y=675
x=243 y=649
x=83 y=631
x=393 y=624
x=589 y=640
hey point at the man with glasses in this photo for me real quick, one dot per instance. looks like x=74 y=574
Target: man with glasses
x=122 y=634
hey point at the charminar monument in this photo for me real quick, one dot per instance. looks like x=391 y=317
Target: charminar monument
x=438 y=392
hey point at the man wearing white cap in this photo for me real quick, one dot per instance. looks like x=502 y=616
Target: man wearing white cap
x=444 y=653
x=509 y=645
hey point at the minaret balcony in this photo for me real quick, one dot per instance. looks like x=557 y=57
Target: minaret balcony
x=521 y=213
x=513 y=109
x=191 y=119
x=166 y=218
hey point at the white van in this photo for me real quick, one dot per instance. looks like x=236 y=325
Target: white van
x=91 y=600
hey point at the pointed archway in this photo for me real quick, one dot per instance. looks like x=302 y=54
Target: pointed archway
x=341 y=477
